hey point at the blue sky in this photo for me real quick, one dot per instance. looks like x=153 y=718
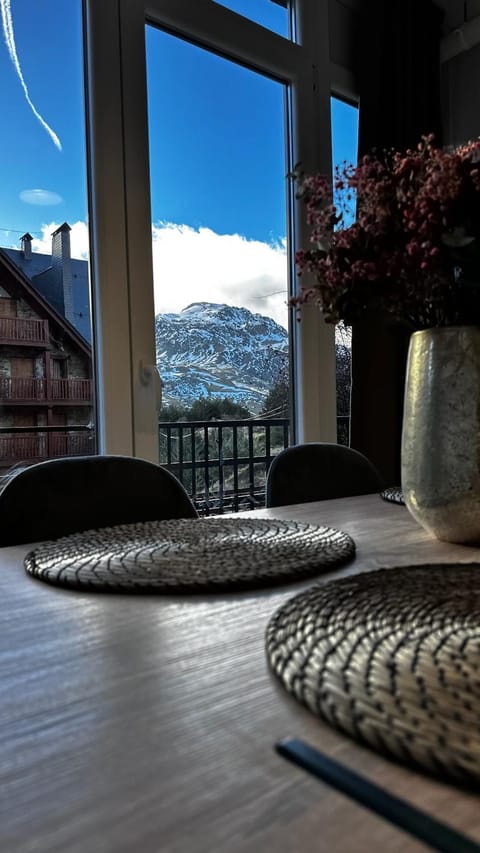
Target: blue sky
x=217 y=154
x=47 y=37
x=216 y=140
x=271 y=15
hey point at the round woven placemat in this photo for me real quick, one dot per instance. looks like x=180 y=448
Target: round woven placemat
x=392 y=658
x=189 y=555
x=394 y=495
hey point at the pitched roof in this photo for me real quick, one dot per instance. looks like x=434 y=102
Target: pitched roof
x=23 y=286
x=40 y=264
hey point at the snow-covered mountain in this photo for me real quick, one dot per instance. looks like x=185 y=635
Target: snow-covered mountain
x=210 y=350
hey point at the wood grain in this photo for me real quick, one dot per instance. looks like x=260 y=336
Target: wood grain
x=148 y=724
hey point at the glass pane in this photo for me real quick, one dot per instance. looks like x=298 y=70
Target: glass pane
x=344 y=119
x=344 y=149
x=46 y=387
x=217 y=165
x=271 y=14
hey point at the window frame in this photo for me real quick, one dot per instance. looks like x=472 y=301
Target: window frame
x=119 y=195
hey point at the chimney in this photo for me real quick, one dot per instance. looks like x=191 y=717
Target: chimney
x=62 y=267
x=26 y=242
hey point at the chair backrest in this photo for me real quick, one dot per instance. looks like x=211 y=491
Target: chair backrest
x=319 y=471
x=63 y=496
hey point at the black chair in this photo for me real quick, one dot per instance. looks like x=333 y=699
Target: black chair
x=319 y=471
x=63 y=496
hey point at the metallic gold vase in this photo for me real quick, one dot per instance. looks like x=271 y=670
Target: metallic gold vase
x=441 y=432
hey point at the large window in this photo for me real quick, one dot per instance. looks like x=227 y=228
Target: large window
x=49 y=242
x=46 y=372
x=218 y=200
x=129 y=136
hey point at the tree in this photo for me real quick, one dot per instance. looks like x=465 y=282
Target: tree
x=277 y=403
x=216 y=409
x=173 y=412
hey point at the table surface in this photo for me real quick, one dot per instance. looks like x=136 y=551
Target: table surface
x=148 y=723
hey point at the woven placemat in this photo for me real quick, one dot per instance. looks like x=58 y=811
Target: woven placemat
x=392 y=658
x=190 y=555
x=394 y=495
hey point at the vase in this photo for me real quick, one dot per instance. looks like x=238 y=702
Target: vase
x=441 y=432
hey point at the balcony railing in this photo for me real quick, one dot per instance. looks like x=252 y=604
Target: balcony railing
x=224 y=464
x=19 y=390
x=35 y=444
x=17 y=330
x=71 y=390
x=25 y=390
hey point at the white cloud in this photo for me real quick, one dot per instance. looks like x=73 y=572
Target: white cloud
x=199 y=265
x=202 y=266
x=38 y=196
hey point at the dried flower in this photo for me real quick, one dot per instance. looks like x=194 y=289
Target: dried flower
x=413 y=251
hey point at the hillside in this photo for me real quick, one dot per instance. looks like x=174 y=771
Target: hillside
x=221 y=351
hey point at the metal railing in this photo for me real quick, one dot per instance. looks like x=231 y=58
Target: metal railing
x=222 y=464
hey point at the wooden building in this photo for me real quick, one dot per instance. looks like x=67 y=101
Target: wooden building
x=46 y=389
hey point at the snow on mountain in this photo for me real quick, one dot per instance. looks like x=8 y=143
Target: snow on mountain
x=219 y=351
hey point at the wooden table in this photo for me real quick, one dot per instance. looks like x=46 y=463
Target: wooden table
x=147 y=724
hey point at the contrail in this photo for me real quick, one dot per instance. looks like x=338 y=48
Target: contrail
x=11 y=47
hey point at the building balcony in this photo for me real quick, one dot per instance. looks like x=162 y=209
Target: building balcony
x=36 y=445
x=70 y=390
x=18 y=331
x=53 y=391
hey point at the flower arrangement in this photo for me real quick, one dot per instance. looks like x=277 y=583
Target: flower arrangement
x=413 y=251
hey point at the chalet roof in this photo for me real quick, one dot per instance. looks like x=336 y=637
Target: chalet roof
x=39 y=263
x=14 y=279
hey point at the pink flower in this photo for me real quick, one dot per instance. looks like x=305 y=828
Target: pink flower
x=395 y=258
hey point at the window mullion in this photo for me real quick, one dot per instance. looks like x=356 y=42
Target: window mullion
x=314 y=340
x=107 y=225
x=139 y=229
x=220 y=29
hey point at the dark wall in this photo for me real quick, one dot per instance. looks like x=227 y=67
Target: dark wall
x=460 y=85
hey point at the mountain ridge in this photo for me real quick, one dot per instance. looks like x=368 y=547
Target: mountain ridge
x=218 y=350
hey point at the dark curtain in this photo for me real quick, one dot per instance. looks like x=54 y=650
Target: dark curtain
x=398 y=77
